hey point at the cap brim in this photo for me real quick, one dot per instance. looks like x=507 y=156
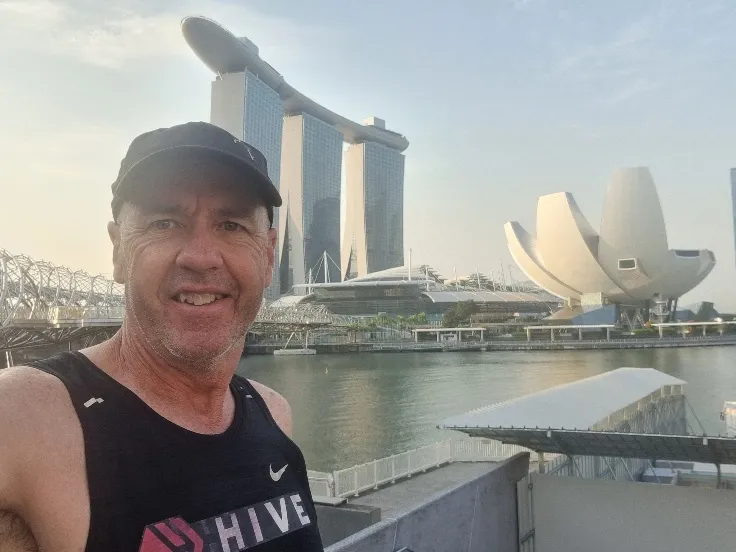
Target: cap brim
x=168 y=159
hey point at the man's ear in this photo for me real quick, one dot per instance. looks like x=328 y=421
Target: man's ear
x=113 y=230
x=272 y=238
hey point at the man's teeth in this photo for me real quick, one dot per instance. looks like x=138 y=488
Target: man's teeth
x=199 y=299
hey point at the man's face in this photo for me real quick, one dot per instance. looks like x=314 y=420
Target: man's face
x=195 y=255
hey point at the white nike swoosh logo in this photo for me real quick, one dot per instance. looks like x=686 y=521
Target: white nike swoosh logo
x=277 y=475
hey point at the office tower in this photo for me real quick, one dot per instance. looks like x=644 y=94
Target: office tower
x=311 y=166
x=733 y=204
x=374 y=224
x=252 y=111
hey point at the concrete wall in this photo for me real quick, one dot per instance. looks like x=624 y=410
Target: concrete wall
x=476 y=516
x=339 y=522
x=354 y=238
x=227 y=106
x=292 y=142
x=580 y=515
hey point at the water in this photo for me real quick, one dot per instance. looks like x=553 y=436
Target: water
x=350 y=409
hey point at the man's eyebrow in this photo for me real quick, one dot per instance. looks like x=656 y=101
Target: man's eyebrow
x=173 y=209
x=160 y=209
x=233 y=212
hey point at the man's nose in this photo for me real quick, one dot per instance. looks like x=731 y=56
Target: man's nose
x=200 y=252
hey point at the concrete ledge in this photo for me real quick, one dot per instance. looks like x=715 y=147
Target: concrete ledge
x=473 y=516
x=329 y=500
x=340 y=521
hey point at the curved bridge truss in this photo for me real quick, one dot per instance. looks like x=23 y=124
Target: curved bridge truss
x=31 y=289
x=40 y=301
x=46 y=304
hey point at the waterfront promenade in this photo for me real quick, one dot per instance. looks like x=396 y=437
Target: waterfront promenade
x=333 y=346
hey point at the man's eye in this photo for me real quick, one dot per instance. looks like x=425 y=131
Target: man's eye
x=230 y=226
x=165 y=224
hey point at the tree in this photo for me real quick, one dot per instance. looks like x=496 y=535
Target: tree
x=449 y=318
x=459 y=315
x=465 y=309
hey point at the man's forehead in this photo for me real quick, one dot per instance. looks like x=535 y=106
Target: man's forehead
x=213 y=185
x=188 y=201
x=189 y=194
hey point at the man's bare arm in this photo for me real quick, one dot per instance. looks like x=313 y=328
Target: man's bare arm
x=43 y=498
x=12 y=440
x=277 y=405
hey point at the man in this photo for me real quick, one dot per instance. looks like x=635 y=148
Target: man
x=148 y=442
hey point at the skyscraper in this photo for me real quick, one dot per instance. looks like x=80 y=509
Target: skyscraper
x=311 y=167
x=733 y=204
x=251 y=110
x=374 y=224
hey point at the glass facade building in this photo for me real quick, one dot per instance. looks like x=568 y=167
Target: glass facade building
x=374 y=227
x=384 y=207
x=733 y=204
x=251 y=110
x=263 y=116
x=311 y=182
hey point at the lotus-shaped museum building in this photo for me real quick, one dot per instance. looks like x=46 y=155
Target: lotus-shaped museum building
x=628 y=262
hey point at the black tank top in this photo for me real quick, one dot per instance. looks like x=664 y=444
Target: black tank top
x=157 y=487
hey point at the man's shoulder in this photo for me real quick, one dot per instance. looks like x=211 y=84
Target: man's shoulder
x=27 y=382
x=29 y=396
x=277 y=405
x=266 y=392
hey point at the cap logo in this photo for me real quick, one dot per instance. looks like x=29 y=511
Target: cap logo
x=235 y=140
x=250 y=152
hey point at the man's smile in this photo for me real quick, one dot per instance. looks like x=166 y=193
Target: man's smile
x=199 y=299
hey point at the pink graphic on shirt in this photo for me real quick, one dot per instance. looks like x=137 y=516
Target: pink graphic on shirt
x=168 y=539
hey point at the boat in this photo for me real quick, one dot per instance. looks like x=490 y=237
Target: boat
x=305 y=350
x=294 y=352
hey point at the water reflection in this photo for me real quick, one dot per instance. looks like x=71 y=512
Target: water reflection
x=354 y=408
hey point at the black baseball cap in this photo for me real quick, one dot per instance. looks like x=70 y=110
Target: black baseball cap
x=166 y=146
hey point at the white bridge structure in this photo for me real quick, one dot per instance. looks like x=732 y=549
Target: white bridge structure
x=46 y=304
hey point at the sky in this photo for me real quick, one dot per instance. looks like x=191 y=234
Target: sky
x=502 y=101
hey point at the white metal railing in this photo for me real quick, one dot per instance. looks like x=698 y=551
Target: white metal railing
x=371 y=475
x=320 y=483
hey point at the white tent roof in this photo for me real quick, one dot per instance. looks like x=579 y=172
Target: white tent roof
x=579 y=405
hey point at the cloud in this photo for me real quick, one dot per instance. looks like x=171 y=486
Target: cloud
x=657 y=47
x=625 y=48
x=115 y=36
x=634 y=33
x=527 y=5
x=630 y=63
x=40 y=14
x=628 y=91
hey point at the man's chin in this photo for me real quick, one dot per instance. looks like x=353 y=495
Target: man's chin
x=198 y=351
